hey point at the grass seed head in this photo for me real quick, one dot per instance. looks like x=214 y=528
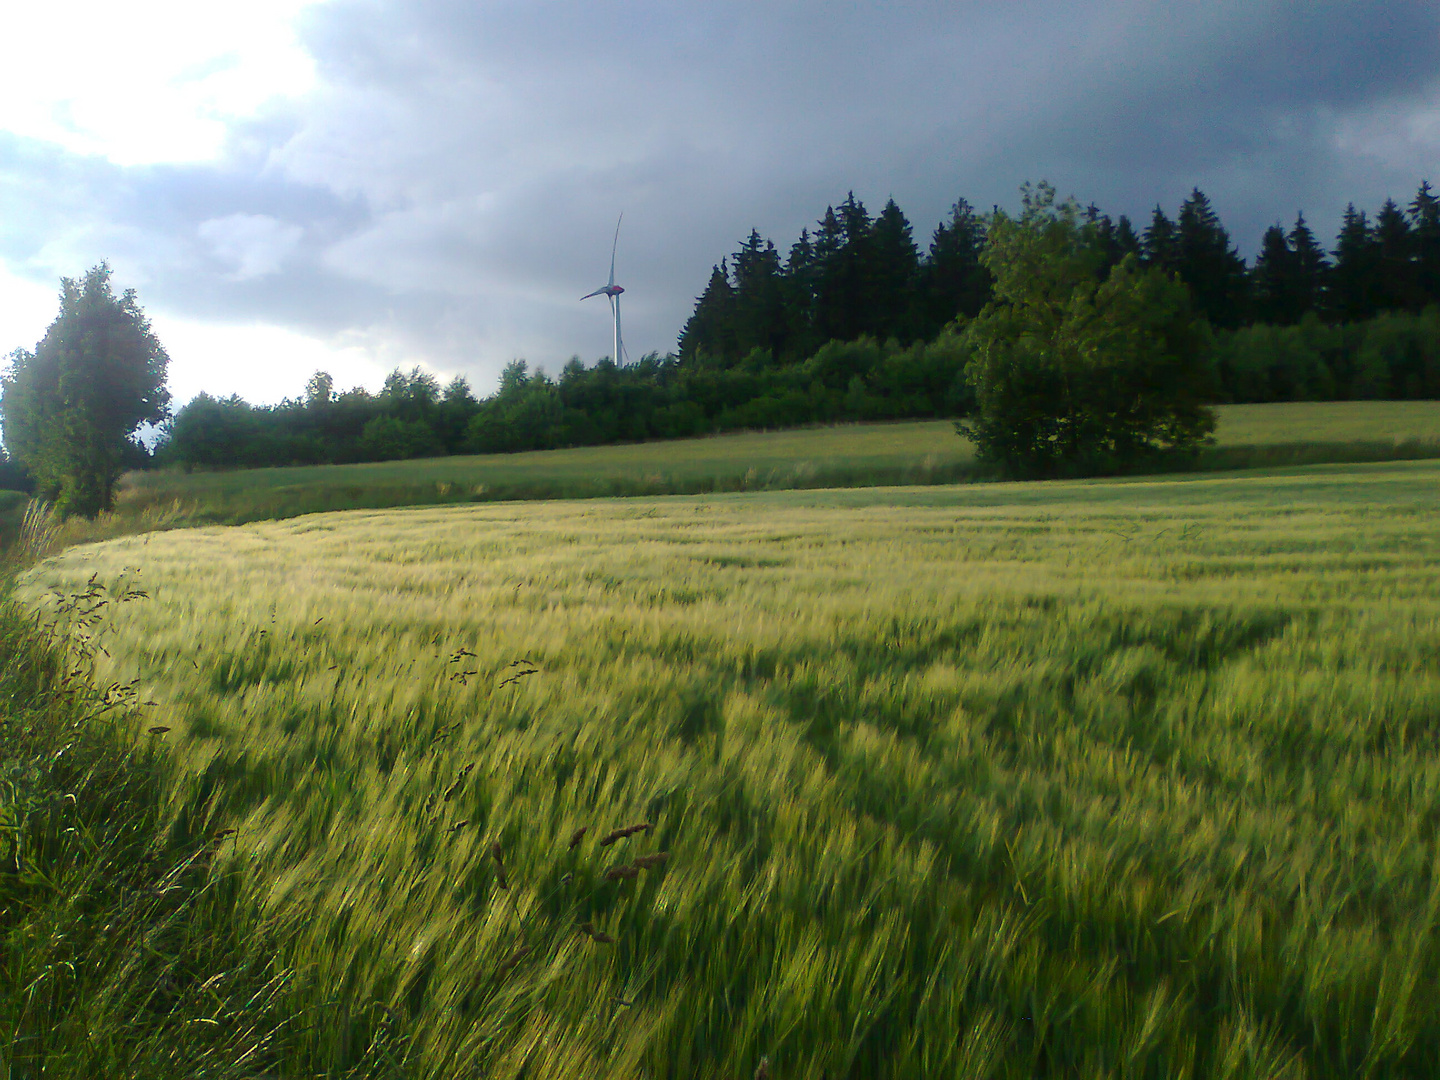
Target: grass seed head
x=514 y=958
x=623 y=871
x=577 y=836
x=622 y=833
x=645 y=862
x=158 y=729
x=599 y=936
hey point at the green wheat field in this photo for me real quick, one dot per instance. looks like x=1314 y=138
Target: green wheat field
x=1126 y=778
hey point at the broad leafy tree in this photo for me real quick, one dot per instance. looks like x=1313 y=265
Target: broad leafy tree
x=70 y=407
x=1074 y=372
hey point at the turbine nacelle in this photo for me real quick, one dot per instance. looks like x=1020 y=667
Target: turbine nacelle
x=605 y=290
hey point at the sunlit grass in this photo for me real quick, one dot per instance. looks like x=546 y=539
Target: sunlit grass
x=1074 y=779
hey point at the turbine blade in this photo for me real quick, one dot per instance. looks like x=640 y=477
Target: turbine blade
x=598 y=292
x=613 y=247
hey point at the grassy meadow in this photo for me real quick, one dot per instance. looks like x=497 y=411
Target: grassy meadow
x=846 y=455
x=1087 y=779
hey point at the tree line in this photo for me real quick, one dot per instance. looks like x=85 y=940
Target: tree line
x=859 y=276
x=854 y=323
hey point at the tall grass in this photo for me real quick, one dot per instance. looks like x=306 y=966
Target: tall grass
x=1079 y=779
x=124 y=950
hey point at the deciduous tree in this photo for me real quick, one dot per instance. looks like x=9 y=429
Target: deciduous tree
x=70 y=406
x=1074 y=372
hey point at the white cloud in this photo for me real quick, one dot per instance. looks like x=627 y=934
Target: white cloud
x=26 y=309
x=147 y=81
x=260 y=363
x=253 y=244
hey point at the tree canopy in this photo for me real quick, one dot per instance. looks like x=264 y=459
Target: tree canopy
x=70 y=407
x=1076 y=368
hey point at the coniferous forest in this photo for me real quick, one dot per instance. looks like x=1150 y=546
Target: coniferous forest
x=856 y=322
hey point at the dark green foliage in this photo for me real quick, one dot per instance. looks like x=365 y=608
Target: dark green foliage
x=758 y=314
x=1310 y=268
x=1074 y=371
x=1425 y=218
x=953 y=282
x=69 y=407
x=1395 y=355
x=894 y=268
x=708 y=333
x=844 y=245
x=1288 y=279
x=856 y=276
x=1206 y=261
x=1273 y=279
x=1353 y=281
x=1161 y=247
x=1116 y=239
x=1396 y=286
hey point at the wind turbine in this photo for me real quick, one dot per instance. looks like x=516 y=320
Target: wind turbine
x=613 y=291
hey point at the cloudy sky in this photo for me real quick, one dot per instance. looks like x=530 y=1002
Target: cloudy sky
x=359 y=184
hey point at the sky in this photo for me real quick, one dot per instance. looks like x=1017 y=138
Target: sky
x=359 y=185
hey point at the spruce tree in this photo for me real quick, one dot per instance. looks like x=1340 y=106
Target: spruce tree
x=953 y=281
x=759 y=302
x=894 y=266
x=1116 y=239
x=1161 y=245
x=709 y=333
x=843 y=245
x=1424 y=214
x=1311 y=266
x=800 y=285
x=1209 y=264
x=1396 y=287
x=1275 y=280
x=1352 y=280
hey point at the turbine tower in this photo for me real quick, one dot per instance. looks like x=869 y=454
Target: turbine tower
x=613 y=291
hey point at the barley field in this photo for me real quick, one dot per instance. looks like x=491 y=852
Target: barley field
x=1085 y=779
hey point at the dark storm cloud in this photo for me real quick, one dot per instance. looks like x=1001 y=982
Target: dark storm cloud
x=450 y=188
